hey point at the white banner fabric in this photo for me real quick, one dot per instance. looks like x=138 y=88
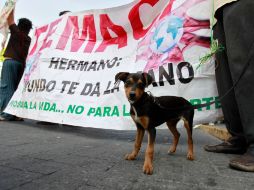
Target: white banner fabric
x=72 y=63
x=4 y=13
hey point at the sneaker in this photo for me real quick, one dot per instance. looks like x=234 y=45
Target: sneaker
x=226 y=147
x=244 y=162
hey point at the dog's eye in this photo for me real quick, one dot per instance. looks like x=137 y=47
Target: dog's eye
x=128 y=83
x=141 y=85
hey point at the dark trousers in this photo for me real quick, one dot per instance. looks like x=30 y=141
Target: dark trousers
x=10 y=77
x=235 y=31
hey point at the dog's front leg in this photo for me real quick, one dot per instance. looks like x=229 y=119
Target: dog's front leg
x=138 y=141
x=148 y=164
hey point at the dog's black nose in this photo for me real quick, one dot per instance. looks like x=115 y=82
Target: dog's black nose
x=132 y=95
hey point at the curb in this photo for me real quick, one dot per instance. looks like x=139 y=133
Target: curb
x=216 y=131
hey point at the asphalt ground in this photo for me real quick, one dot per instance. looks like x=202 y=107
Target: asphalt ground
x=58 y=157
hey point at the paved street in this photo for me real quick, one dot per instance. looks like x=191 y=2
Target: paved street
x=56 y=157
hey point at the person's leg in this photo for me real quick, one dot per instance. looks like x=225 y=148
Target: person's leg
x=224 y=83
x=240 y=50
x=10 y=75
x=236 y=144
x=240 y=47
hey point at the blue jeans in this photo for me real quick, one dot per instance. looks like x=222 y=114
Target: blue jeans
x=10 y=77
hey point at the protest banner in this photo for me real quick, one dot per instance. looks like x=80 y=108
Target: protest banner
x=4 y=13
x=72 y=63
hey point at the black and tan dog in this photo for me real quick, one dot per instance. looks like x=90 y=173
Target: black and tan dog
x=149 y=112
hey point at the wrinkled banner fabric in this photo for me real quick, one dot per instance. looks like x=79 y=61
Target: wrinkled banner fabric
x=4 y=29
x=72 y=63
x=4 y=13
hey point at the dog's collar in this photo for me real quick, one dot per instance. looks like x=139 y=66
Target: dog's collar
x=152 y=98
x=155 y=100
x=131 y=102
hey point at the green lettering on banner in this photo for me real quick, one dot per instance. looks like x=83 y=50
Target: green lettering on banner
x=207 y=100
x=20 y=104
x=71 y=108
x=217 y=103
x=41 y=104
x=196 y=102
x=53 y=107
x=75 y=109
x=32 y=105
x=46 y=106
x=106 y=111
x=91 y=111
x=115 y=111
x=124 y=111
x=25 y=105
x=98 y=112
x=79 y=109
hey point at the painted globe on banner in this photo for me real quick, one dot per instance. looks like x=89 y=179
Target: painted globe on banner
x=167 y=34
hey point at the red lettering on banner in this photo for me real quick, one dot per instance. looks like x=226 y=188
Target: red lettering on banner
x=120 y=40
x=88 y=35
x=77 y=41
x=37 y=34
x=136 y=23
x=168 y=9
x=52 y=28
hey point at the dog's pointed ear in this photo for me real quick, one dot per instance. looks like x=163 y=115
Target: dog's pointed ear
x=121 y=76
x=147 y=78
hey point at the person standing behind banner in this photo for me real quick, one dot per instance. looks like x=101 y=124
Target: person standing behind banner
x=234 y=31
x=63 y=13
x=14 y=63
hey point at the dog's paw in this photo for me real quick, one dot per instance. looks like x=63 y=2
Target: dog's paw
x=190 y=156
x=148 y=169
x=130 y=157
x=172 y=150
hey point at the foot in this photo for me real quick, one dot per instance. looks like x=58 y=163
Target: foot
x=172 y=150
x=11 y=119
x=148 y=168
x=17 y=119
x=2 y=119
x=45 y=123
x=244 y=162
x=190 y=156
x=227 y=147
x=130 y=156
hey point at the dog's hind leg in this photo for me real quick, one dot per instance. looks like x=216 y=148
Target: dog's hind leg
x=188 y=125
x=138 y=141
x=176 y=135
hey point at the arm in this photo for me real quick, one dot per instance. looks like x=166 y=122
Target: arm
x=2 y=44
x=10 y=19
x=5 y=37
